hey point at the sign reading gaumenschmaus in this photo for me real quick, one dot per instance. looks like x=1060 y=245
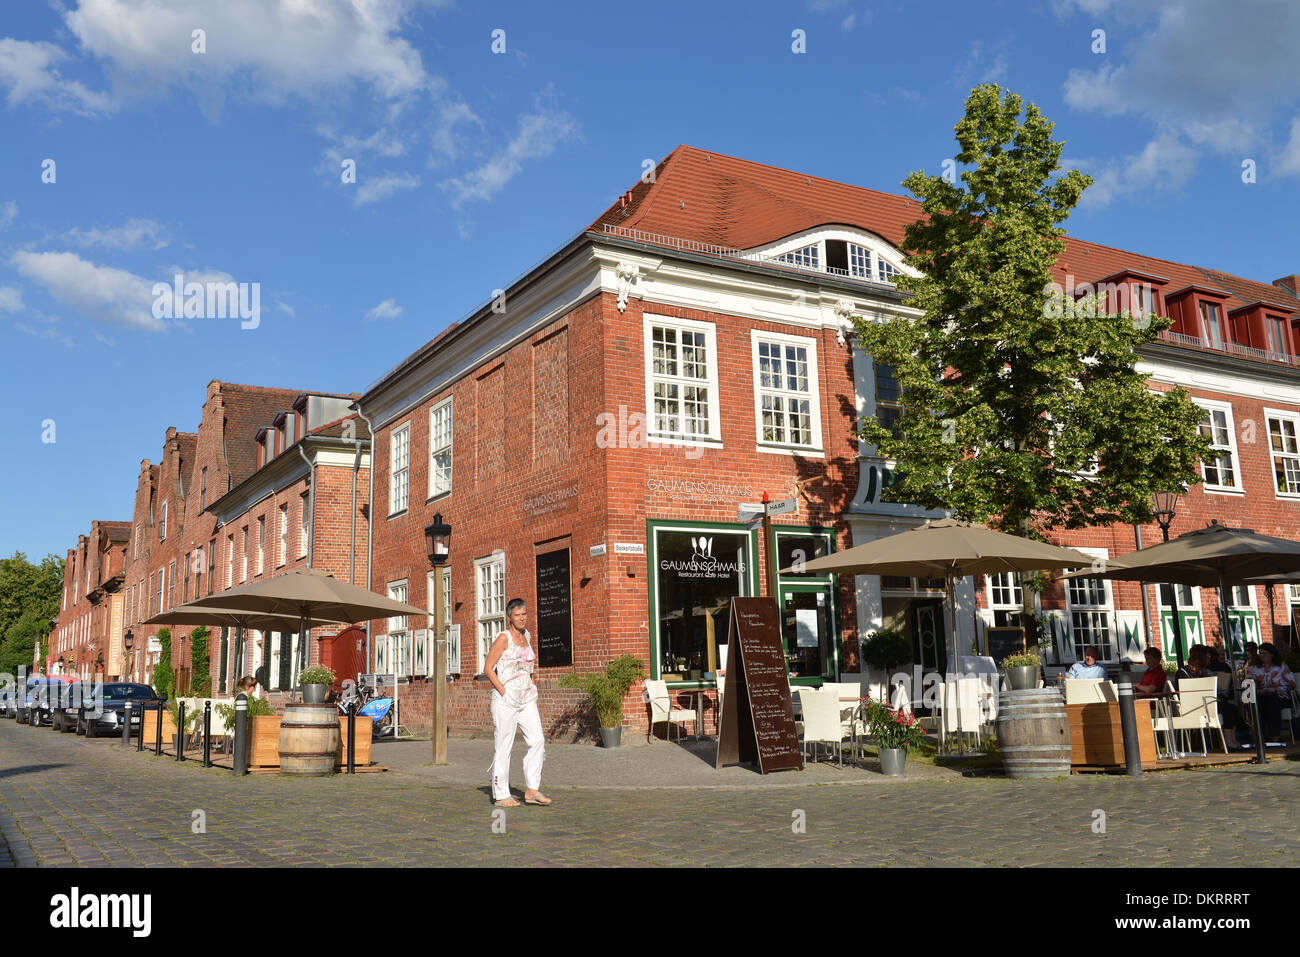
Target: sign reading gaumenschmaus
x=553 y=501
x=705 y=489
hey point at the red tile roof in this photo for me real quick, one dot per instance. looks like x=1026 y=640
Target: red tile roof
x=725 y=201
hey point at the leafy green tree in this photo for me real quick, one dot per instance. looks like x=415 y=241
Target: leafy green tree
x=18 y=640
x=29 y=598
x=1021 y=408
x=163 y=677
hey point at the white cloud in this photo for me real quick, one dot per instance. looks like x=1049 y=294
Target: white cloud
x=271 y=48
x=372 y=189
x=136 y=234
x=285 y=307
x=98 y=292
x=8 y=213
x=30 y=73
x=11 y=299
x=1226 y=97
x=1288 y=162
x=538 y=136
x=445 y=142
x=388 y=309
x=1165 y=163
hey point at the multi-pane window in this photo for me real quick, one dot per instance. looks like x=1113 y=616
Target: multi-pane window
x=1006 y=599
x=889 y=404
x=304 y=529
x=212 y=564
x=1143 y=300
x=453 y=647
x=860 y=262
x=491 y=577
x=399 y=480
x=1276 y=329
x=398 y=630
x=160 y=590
x=283 y=556
x=162 y=523
x=440 y=449
x=185 y=590
x=203 y=488
x=261 y=543
x=1089 y=604
x=1211 y=324
x=230 y=560
x=171 y=584
x=809 y=257
x=785 y=393
x=681 y=380
x=1220 y=463
x=243 y=563
x=1286 y=453
x=887 y=270
x=1241 y=597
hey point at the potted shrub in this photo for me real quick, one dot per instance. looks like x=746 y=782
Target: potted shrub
x=894 y=731
x=1022 y=670
x=606 y=689
x=886 y=649
x=262 y=731
x=193 y=716
x=316 y=683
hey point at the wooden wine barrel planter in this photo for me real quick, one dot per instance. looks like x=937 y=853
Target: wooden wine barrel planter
x=309 y=739
x=1033 y=733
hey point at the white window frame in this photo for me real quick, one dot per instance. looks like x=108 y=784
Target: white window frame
x=284 y=535
x=438 y=485
x=813 y=395
x=1211 y=406
x=1104 y=612
x=714 y=435
x=453 y=648
x=261 y=544
x=1016 y=605
x=809 y=256
x=1273 y=455
x=162 y=522
x=490 y=620
x=304 y=527
x=399 y=631
x=1205 y=309
x=399 y=477
x=230 y=560
x=161 y=585
x=243 y=557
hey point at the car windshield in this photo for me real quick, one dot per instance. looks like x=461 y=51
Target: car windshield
x=127 y=693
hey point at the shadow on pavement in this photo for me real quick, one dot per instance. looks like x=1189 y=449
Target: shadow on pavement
x=28 y=769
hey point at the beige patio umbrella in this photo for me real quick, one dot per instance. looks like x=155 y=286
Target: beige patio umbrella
x=310 y=595
x=188 y=614
x=947 y=549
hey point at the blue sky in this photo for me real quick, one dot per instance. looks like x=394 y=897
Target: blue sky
x=472 y=165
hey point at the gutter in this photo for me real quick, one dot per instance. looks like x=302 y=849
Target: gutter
x=370 y=519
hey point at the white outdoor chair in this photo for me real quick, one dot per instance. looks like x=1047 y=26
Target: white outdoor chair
x=661 y=709
x=821 y=719
x=1197 y=701
x=1089 y=691
x=960 y=713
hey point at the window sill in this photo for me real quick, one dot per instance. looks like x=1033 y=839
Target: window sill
x=773 y=448
x=1223 y=490
x=654 y=440
x=437 y=495
x=392 y=515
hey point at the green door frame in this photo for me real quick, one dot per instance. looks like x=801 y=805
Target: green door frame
x=812 y=588
x=814 y=583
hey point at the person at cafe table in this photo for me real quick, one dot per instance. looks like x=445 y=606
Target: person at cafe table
x=1154 y=678
x=1088 y=667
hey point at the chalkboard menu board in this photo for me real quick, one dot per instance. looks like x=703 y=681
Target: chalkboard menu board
x=554 y=610
x=757 y=725
x=1001 y=642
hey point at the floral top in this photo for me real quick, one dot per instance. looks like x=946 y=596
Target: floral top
x=1276 y=679
x=515 y=669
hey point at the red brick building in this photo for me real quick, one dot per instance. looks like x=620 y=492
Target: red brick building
x=596 y=426
x=87 y=635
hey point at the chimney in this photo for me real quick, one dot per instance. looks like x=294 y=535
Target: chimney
x=1291 y=282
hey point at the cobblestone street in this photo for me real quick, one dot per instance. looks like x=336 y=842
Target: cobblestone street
x=65 y=800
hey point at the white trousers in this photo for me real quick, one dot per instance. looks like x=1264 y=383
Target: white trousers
x=505 y=720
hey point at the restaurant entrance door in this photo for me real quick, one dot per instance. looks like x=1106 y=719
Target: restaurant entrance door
x=808 y=628
x=929 y=647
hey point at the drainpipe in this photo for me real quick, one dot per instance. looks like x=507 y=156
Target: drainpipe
x=370 y=532
x=305 y=656
x=352 y=552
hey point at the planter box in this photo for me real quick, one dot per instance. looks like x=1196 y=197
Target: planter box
x=1097 y=739
x=264 y=749
x=149 y=728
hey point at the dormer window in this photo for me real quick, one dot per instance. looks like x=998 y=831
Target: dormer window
x=1212 y=324
x=1275 y=328
x=1142 y=300
x=809 y=257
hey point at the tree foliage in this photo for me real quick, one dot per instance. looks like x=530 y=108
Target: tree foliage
x=164 y=679
x=1020 y=408
x=29 y=598
x=201 y=677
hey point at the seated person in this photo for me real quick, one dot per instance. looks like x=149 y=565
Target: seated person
x=1088 y=667
x=1274 y=683
x=1154 y=678
x=1217 y=664
x=1197 y=664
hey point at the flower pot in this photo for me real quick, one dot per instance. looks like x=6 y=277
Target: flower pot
x=611 y=737
x=1023 y=678
x=892 y=761
x=314 y=694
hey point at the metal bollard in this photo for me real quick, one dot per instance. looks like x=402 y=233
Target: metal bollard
x=241 y=731
x=126 y=725
x=180 y=731
x=1128 y=725
x=207 y=734
x=352 y=738
x=157 y=741
x=139 y=738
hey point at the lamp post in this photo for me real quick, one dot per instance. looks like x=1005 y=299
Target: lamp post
x=127 y=641
x=1163 y=506
x=437 y=542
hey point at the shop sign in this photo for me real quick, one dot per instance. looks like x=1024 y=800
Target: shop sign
x=155 y=646
x=554 y=610
x=783 y=507
x=552 y=501
x=696 y=489
x=702 y=564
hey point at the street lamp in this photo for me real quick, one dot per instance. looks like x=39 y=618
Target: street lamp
x=127 y=641
x=1163 y=506
x=437 y=543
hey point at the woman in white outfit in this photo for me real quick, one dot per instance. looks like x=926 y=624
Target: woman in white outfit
x=509 y=667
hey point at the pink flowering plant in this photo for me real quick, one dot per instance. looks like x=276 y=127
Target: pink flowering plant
x=892 y=727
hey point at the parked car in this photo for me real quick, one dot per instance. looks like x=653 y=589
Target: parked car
x=37 y=692
x=66 y=702
x=109 y=709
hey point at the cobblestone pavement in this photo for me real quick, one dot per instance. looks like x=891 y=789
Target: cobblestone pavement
x=68 y=801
